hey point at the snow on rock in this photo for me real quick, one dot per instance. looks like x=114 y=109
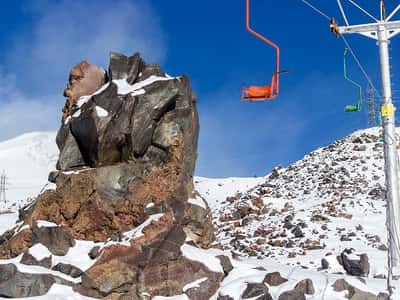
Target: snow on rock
x=194 y=284
x=135 y=233
x=295 y=221
x=215 y=190
x=125 y=88
x=41 y=223
x=198 y=201
x=39 y=252
x=101 y=112
x=204 y=256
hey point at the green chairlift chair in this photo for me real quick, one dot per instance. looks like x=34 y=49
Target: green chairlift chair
x=351 y=107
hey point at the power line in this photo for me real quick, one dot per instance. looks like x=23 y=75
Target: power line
x=316 y=9
x=347 y=45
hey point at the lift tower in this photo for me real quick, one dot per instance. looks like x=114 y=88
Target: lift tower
x=382 y=30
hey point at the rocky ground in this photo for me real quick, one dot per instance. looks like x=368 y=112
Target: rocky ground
x=334 y=188
x=124 y=218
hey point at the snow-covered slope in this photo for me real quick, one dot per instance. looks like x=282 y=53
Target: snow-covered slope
x=331 y=200
x=288 y=221
x=26 y=161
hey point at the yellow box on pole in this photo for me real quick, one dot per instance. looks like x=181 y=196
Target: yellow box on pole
x=388 y=109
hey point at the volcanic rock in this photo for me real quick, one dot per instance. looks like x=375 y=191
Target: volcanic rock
x=274 y=279
x=14 y=284
x=28 y=259
x=128 y=146
x=84 y=79
x=292 y=295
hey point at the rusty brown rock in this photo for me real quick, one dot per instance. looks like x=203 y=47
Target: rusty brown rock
x=84 y=79
x=15 y=245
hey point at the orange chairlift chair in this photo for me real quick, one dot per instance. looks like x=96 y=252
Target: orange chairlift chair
x=266 y=92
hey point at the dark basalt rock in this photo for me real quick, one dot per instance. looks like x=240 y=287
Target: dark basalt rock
x=28 y=259
x=14 y=284
x=56 y=239
x=274 y=279
x=305 y=286
x=68 y=269
x=255 y=289
x=124 y=157
x=292 y=295
x=355 y=267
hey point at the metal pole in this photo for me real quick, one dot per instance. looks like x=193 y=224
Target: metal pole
x=390 y=152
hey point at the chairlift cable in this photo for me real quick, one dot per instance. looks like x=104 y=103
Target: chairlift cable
x=347 y=45
x=316 y=9
x=360 y=65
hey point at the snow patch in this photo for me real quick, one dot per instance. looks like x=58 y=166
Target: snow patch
x=41 y=223
x=203 y=256
x=194 y=284
x=101 y=112
x=39 y=252
x=125 y=88
x=197 y=201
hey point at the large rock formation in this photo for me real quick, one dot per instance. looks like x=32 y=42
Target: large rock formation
x=128 y=146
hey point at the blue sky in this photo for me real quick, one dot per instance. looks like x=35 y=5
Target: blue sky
x=41 y=40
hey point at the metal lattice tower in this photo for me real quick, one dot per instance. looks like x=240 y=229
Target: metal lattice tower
x=372 y=107
x=3 y=178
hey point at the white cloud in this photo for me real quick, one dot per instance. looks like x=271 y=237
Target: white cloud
x=64 y=33
x=21 y=114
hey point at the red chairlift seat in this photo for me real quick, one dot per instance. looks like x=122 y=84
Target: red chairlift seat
x=265 y=92
x=260 y=93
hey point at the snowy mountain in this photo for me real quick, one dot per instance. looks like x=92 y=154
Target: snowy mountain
x=295 y=221
x=26 y=161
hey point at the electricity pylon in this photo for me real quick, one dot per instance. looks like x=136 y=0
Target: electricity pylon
x=382 y=30
x=3 y=183
x=372 y=109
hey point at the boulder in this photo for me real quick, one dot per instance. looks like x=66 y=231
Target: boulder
x=57 y=239
x=153 y=263
x=354 y=264
x=341 y=285
x=68 y=269
x=84 y=79
x=305 y=286
x=28 y=259
x=128 y=147
x=15 y=284
x=254 y=290
x=292 y=295
x=225 y=263
x=274 y=279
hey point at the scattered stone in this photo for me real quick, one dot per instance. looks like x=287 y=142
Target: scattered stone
x=254 y=289
x=28 y=259
x=292 y=295
x=305 y=286
x=225 y=263
x=354 y=266
x=94 y=252
x=274 y=279
x=57 y=239
x=15 y=284
x=68 y=269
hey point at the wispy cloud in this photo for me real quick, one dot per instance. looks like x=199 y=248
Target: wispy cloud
x=64 y=33
x=20 y=113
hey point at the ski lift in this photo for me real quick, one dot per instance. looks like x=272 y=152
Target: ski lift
x=351 y=107
x=266 y=92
